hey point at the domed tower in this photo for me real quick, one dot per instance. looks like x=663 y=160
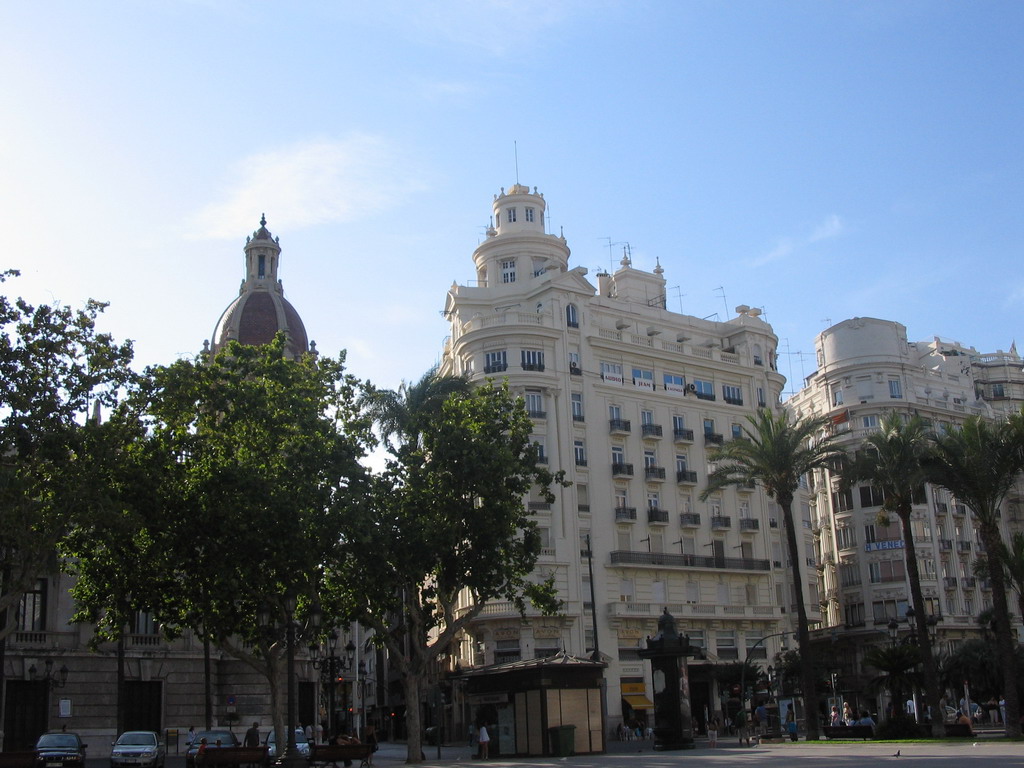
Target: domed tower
x=517 y=246
x=261 y=310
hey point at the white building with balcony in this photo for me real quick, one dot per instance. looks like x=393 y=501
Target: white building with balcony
x=627 y=397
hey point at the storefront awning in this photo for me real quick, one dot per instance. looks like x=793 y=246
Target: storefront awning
x=638 y=702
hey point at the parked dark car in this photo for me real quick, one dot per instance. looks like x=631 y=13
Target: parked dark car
x=138 y=748
x=300 y=743
x=227 y=739
x=60 y=749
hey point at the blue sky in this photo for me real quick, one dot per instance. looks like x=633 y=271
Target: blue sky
x=821 y=160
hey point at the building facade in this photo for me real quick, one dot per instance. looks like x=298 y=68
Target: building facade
x=867 y=368
x=627 y=397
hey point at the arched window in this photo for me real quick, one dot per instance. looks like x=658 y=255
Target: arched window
x=572 y=318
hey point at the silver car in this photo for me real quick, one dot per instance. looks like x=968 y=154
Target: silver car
x=138 y=748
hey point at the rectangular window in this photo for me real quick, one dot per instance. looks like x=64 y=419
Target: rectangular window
x=737 y=431
x=725 y=644
x=32 y=611
x=895 y=389
x=654 y=501
x=674 y=383
x=646 y=417
x=614 y=413
x=650 y=460
x=709 y=426
x=611 y=372
x=761 y=402
x=508 y=271
x=643 y=378
x=854 y=614
x=837 y=395
x=618 y=455
x=678 y=424
x=580 y=452
x=143 y=623
x=842 y=501
x=871 y=496
x=532 y=359
x=681 y=462
x=705 y=390
x=511 y=215
x=870 y=421
x=529 y=214
x=495 y=362
x=577 y=406
x=535 y=405
x=846 y=536
x=732 y=394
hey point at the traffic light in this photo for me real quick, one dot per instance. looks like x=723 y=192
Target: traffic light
x=341 y=679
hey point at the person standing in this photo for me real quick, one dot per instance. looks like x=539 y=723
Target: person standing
x=713 y=732
x=740 y=721
x=252 y=736
x=485 y=741
x=190 y=739
x=370 y=737
x=761 y=718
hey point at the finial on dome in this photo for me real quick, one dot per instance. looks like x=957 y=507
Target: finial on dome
x=263 y=219
x=658 y=270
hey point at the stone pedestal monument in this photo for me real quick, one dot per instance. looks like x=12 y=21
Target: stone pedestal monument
x=667 y=652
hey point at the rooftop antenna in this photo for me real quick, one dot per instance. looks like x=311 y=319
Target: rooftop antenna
x=720 y=288
x=515 y=150
x=611 y=256
x=826 y=320
x=679 y=295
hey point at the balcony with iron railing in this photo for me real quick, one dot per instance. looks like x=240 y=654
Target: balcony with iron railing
x=689 y=519
x=496 y=368
x=969 y=582
x=622 y=557
x=539 y=506
x=653 y=472
x=713 y=438
x=750 y=524
x=721 y=521
x=537 y=414
x=682 y=435
x=963 y=546
x=619 y=426
x=655 y=515
x=622 y=470
x=687 y=476
x=651 y=430
x=946 y=545
x=625 y=514
x=949 y=582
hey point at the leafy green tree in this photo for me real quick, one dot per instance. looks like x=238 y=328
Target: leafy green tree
x=893 y=460
x=252 y=463
x=401 y=414
x=54 y=367
x=448 y=532
x=978 y=463
x=776 y=453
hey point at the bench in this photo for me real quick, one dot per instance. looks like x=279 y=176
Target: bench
x=961 y=730
x=322 y=754
x=25 y=759
x=848 y=732
x=227 y=756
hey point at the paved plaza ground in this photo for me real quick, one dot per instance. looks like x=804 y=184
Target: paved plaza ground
x=988 y=751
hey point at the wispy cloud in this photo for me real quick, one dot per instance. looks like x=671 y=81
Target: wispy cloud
x=309 y=183
x=829 y=228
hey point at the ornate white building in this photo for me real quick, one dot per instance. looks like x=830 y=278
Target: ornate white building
x=627 y=397
x=866 y=368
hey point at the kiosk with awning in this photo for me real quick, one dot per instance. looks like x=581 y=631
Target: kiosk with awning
x=538 y=702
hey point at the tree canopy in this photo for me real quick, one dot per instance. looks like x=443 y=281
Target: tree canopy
x=449 y=532
x=54 y=367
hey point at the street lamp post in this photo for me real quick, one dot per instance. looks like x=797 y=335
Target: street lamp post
x=330 y=665
x=291 y=758
x=55 y=679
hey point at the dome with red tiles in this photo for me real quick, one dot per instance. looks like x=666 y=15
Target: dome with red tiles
x=261 y=310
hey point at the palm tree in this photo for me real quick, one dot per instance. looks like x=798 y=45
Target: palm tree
x=978 y=463
x=777 y=453
x=1012 y=559
x=401 y=413
x=892 y=459
x=896 y=665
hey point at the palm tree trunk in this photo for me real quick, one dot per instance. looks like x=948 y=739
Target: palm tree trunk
x=933 y=695
x=1004 y=634
x=807 y=666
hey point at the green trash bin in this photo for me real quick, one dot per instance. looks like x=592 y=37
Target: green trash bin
x=563 y=739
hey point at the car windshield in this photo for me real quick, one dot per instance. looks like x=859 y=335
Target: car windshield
x=300 y=737
x=137 y=738
x=227 y=739
x=58 y=740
